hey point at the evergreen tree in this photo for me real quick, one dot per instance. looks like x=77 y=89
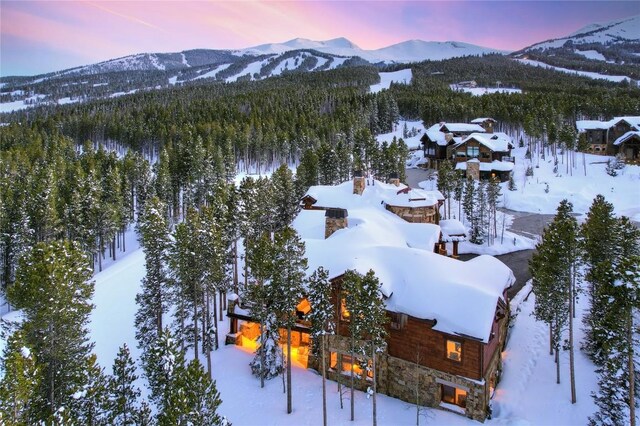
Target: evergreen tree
x=322 y=317
x=53 y=289
x=153 y=300
x=167 y=360
x=89 y=405
x=285 y=289
x=20 y=381
x=285 y=199
x=123 y=395
x=198 y=396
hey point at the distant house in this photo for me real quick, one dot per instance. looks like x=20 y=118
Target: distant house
x=492 y=152
x=616 y=136
x=447 y=318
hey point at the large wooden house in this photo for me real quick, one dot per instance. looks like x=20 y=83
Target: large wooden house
x=447 y=318
x=620 y=135
x=490 y=155
x=438 y=139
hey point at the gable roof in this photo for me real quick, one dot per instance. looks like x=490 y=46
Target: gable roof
x=496 y=142
x=482 y=120
x=415 y=280
x=584 y=125
x=627 y=136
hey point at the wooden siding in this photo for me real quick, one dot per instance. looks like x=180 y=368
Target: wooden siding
x=486 y=155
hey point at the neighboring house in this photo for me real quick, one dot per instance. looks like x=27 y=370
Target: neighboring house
x=616 y=136
x=487 y=123
x=447 y=318
x=491 y=150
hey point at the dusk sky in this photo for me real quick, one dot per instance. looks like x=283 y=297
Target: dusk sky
x=44 y=36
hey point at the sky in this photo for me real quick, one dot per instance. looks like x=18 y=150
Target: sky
x=44 y=36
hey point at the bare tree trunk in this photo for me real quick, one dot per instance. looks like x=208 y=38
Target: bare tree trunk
x=572 y=377
x=235 y=266
x=289 y=405
x=550 y=339
x=557 y=365
x=215 y=318
x=261 y=349
x=352 y=384
x=632 y=399
x=195 y=327
x=373 y=362
x=324 y=384
x=208 y=338
x=220 y=294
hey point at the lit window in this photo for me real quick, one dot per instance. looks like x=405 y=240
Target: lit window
x=344 y=313
x=454 y=350
x=455 y=396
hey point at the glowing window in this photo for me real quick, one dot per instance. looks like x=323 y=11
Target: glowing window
x=454 y=350
x=344 y=313
x=455 y=396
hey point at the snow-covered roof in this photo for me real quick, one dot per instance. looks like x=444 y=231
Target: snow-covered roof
x=436 y=135
x=626 y=137
x=482 y=120
x=460 y=296
x=452 y=229
x=494 y=166
x=497 y=142
x=584 y=125
x=463 y=127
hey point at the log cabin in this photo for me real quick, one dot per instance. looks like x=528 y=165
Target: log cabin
x=492 y=151
x=438 y=139
x=447 y=318
x=616 y=136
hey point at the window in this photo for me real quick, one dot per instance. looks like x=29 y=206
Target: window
x=398 y=321
x=454 y=350
x=460 y=154
x=455 y=396
x=344 y=313
x=473 y=151
x=486 y=155
x=346 y=365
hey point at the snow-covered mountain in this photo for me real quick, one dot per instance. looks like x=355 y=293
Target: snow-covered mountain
x=407 y=51
x=618 y=31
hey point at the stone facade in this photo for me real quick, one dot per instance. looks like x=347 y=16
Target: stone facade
x=427 y=214
x=473 y=170
x=399 y=378
x=331 y=225
x=358 y=185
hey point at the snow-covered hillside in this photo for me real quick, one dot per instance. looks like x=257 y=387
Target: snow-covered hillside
x=611 y=32
x=407 y=51
x=594 y=75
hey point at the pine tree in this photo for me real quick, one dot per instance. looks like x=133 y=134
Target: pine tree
x=53 y=289
x=554 y=269
x=167 y=360
x=123 y=395
x=198 y=395
x=89 y=401
x=285 y=199
x=322 y=317
x=374 y=319
x=599 y=245
x=153 y=299
x=20 y=381
x=285 y=288
x=445 y=183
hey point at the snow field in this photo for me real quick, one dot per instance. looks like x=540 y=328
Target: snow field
x=386 y=78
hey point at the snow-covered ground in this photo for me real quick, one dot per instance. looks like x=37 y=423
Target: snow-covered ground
x=591 y=54
x=386 y=78
x=412 y=142
x=594 y=75
x=623 y=191
x=479 y=91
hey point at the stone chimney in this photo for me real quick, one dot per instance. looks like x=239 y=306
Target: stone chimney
x=334 y=219
x=488 y=126
x=473 y=169
x=448 y=137
x=358 y=182
x=394 y=179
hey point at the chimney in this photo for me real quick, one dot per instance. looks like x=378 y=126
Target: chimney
x=358 y=182
x=394 y=179
x=334 y=219
x=473 y=169
x=488 y=126
x=448 y=137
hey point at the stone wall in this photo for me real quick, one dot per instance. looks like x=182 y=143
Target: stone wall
x=358 y=185
x=473 y=170
x=399 y=379
x=425 y=214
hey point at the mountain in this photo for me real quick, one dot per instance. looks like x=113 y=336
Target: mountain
x=615 y=32
x=418 y=50
x=601 y=50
